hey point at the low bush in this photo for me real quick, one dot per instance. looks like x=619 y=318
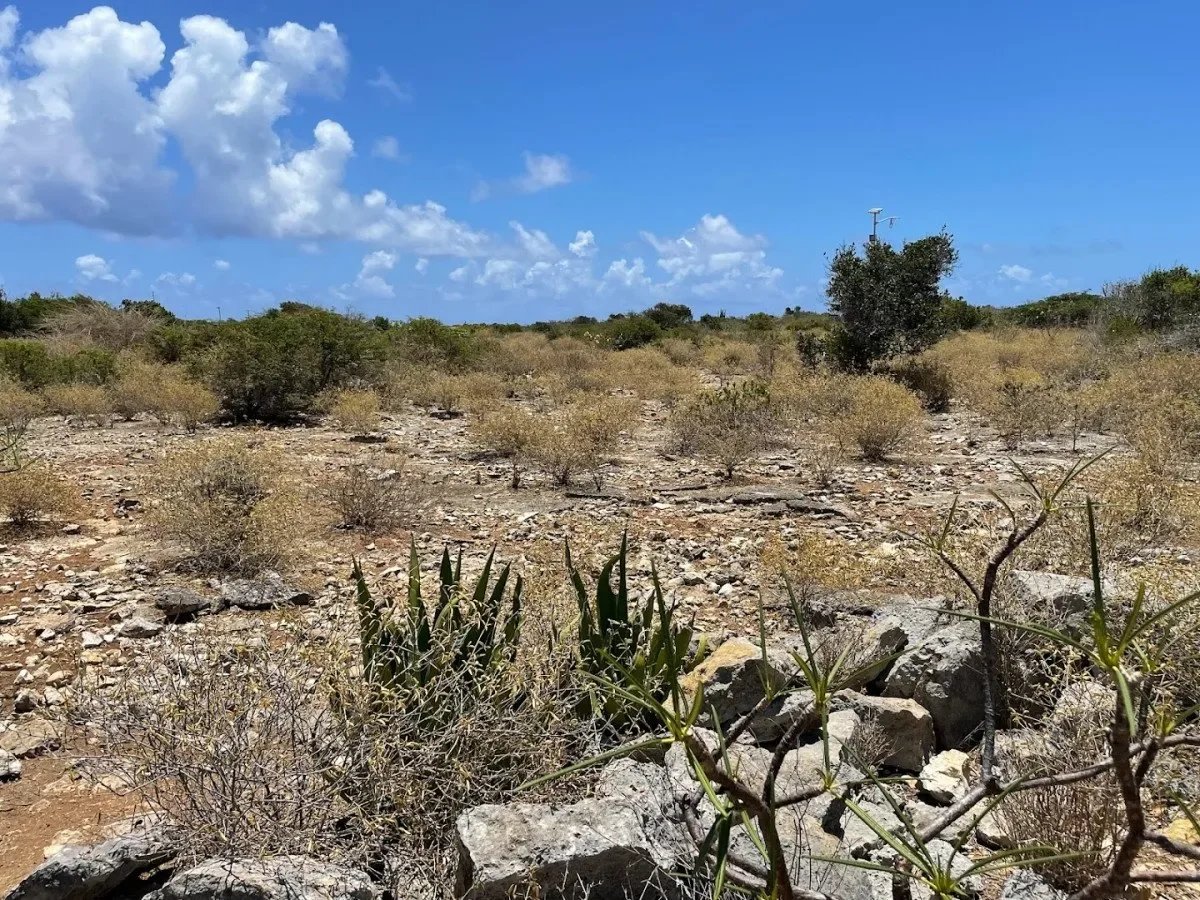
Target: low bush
x=510 y=433
x=34 y=495
x=582 y=437
x=882 y=417
x=18 y=408
x=729 y=426
x=100 y=325
x=228 y=507
x=272 y=367
x=86 y=402
x=356 y=411
x=928 y=379
x=366 y=498
x=188 y=404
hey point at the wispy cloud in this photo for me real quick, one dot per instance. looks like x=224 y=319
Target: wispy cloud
x=389 y=86
x=542 y=172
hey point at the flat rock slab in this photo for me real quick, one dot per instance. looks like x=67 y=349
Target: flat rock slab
x=273 y=878
x=84 y=873
x=601 y=849
x=776 y=499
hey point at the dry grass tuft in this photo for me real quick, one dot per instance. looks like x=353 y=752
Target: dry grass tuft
x=228 y=507
x=34 y=496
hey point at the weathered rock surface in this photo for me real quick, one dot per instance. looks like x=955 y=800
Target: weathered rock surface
x=601 y=848
x=29 y=737
x=735 y=677
x=1026 y=884
x=181 y=603
x=944 y=778
x=268 y=591
x=944 y=673
x=907 y=725
x=273 y=878
x=83 y=873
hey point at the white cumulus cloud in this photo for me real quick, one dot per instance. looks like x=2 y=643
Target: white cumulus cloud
x=1016 y=273
x=584 y=244
x=79 y=140
x=371 y=280
x=94 y=268
x=82 y=136
x=221 y=265
x=714 y=256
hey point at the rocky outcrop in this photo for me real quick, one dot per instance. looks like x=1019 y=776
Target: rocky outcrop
x=268 y=591
x=906 y=725
x=90 y=873
x=604 y=848
x=273 y=878
x=735 y=677
x=944 y=674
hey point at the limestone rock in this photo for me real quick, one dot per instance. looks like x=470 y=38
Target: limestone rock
x=84 y=873
x=265 y=592
x=735 y=676
x=272 y=878
x=944 y=673
x=907 y=725
x=600 y=849
x=944 y=778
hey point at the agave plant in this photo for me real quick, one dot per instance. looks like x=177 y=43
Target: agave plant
x=409 y=647
x=635 y=646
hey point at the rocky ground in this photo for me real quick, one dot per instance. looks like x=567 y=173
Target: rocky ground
x=100 y=591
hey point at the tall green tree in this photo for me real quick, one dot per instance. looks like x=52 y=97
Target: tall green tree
x=888 y=301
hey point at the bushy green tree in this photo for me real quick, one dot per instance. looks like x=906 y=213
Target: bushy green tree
x=271 y=367
x=627 y=332
x=669 y=315
x=426 y=341
x=888 y=301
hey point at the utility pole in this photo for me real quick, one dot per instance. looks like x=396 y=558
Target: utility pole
x=875 y=212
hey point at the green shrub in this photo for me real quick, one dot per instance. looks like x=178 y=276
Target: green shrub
x=427 y=342
x=408 y=649
x=271 y=367
x=627 y=332
x=626 y=644
x=928 y=379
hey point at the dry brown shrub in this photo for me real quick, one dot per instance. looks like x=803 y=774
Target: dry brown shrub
x=34 y=496
x=1016 y=405
x=682 y=351
x=18 y=409
x=251 y=752
x=356 y=411
x=729 y=426
x=823 y=458
x=649 y=373
x=581 y=438
x=453 y=393
x=509 y=432
x=1084 y=818
x=83 y=402
x=726 y=357
x=881 y=418
x=138 y=389
x=977 y=359
x=188 y=404
x=372 y=498
x=227 y=506
x=100 y=325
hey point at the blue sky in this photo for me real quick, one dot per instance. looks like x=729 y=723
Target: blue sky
x=487 y=162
